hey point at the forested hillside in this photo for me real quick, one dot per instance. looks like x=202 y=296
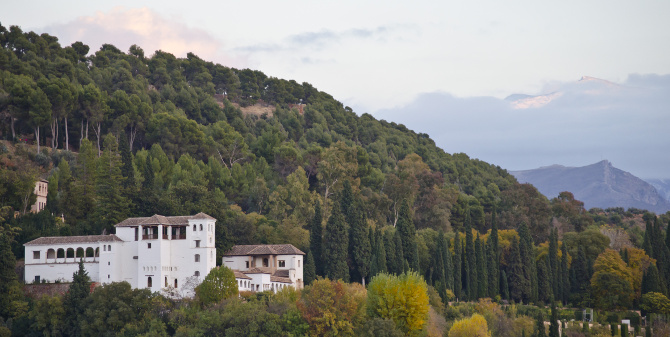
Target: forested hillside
x=124 y=134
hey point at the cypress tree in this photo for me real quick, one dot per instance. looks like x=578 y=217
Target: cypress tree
x=553 y=325
x=111 y=206
x=346 y=200
x=448 y=264
x=586 y=328
x=378 y=264
x=482 y=275
x=470 y=260
x=504 y=285
x=581 y=272
x=359 y=243
x=335 y=244
x=389 y=245
x=542 y=281
x=493 y=243
x=399 y=254
x=315 y=238
x=408 y=235
x=10 y=288
x=565 y=277
x=624 y=330
x=615 y=329
x=553 y=262
x=540 y=330
x=457 y=265
x=651 y=281
x=517 y=281
x=127 y=168
x=74 y=299
x=490 y=262
x=528 y=263
x=310 y=269
x=438 y=275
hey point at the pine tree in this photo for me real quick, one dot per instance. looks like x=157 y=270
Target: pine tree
x=74 y=300
x=359 y=243
x=457 y=272
x=335 y=247
x=310 y=269
x=315 y=238
x=407 y=231
x=470 y=261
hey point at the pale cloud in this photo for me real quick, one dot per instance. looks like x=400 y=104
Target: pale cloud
x=144 y=27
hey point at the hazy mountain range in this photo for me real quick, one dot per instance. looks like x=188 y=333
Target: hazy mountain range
x=598 y=185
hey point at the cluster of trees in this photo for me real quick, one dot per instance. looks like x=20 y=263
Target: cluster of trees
x=362 y=197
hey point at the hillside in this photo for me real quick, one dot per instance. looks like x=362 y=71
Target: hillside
x=598 y=185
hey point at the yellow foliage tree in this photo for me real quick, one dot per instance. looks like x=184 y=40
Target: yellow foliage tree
x=402 y=299
x=475 y=326
x=332 y=308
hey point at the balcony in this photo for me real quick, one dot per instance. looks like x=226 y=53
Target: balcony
x=179 y=236
x=149 y=236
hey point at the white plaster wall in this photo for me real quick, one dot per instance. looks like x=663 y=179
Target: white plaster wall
x=235 y=262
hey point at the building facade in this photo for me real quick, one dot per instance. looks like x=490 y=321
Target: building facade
x=41 y=191
x=266 y=267
x=158 y=253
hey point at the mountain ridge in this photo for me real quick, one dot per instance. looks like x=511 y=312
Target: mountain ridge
x=597 y=185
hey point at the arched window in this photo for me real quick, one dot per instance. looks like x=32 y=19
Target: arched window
x=175 y=283
x=149 y=282
x=201 y=227
x=80 y=252
x=60 y=253
x=197 y=257
x=51 y=253
x=70 y=252
x=166 y=282
x=97 y=252
x=90 y=252
x=109 y=248
x=194 y=228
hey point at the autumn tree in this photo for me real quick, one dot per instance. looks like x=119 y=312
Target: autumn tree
x=475 y=326
x=402 y=298
x=219 y=284
x=332 y=308
x=612 y=282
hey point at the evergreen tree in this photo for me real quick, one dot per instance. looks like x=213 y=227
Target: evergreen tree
x=490 y=262
x=527 y=254
x=75 y=299
x=315 y=238
x=651 y=281
x=127 y=168
x=448 y=264
x=482 y=276
x=565 y=278
x=540 y=330
x=586 y=328
x=389 y=245
x=553 y=325
x=504 y=285
x=111 y=206
x=517 y=280
x=405 y=227
x=624 y=330
x=310 y=269
x=553 y=262
x=457 y=265
x=493 y=243
x=378 y=264
x=335 y=247
x=470 y=261
x=580 y=266
x=542 y=281
x=10 y=289
x=399 y=254
x=615 y=329
x=359 y=242
x=437 y=266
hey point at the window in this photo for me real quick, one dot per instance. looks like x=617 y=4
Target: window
x=166 y=282
x=246 y=263
x=175 y=283
x=197 y=273
x=282 y=264
x=149 y=245
x=109 y=263
x=201 y=227
x=37 y=279
x=108 y=276
x=104 y=247
x=137 y=233
x=149 y=282
x=36 y=255
x=265 y=262
x=197 y=243
x=298 y=263
x=109 y=248
x=194 y=228
x=197 y=257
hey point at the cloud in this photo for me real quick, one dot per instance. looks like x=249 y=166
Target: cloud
x=320 y=40
x=124 y=27
x=591 y=120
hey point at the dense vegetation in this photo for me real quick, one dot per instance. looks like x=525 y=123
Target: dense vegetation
x=362 y=197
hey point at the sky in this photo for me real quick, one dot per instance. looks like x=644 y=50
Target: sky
x=384 y=58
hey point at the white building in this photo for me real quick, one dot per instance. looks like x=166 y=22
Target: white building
x=156 y=252
x=41 y=191
x=266 y=267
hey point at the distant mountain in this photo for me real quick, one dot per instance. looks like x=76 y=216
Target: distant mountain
x=597 y=185
x=662 y=186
